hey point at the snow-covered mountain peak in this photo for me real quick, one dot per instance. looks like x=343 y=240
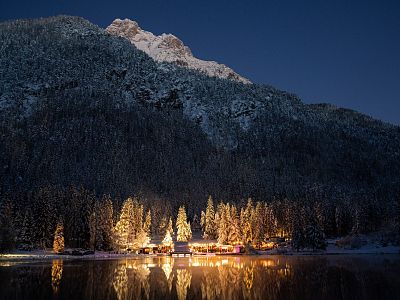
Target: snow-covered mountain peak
x=169 y=48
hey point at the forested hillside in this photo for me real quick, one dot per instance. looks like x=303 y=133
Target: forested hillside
x=86 y=115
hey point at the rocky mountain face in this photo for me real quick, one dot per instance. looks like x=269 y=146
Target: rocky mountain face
x=168 y=48
x=80 y=106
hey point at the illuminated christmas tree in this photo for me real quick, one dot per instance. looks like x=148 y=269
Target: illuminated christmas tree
x=184 y=232
x=208 y=221
x=58 y=244
x=167 y=239
x=124 y=227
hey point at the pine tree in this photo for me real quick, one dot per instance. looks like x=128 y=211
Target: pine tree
x=106 y=224
x=25 y=238
x=223 y=223
x=184 y=232
x=209 y=221
x=270 y=223
x=246 y=222
x=147 y=224
x=58 y=243
x=297 y=234
x=170 y=227
x=203 y=220
x=234 y=235
x=234 y=229
x=314 y=237
x=7 y=230
x=167 y=238
x=124 y=227
x=44 y=216
x=257 y=224
x=339 y=220
x=196 y=223
x=142 y=239
x=137 y=219
x=93 y=229
x=297 y=226
x=162 y=226
x=144 y=235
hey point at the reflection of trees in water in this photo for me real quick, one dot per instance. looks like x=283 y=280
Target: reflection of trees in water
x=210 y=284
x=140 y=275
x=120 y=282
x=213 y=278
x=229 y=277
x=130 y=280
x=167 y=268
x=183 y=279
x=248 y=277
x=56 y=274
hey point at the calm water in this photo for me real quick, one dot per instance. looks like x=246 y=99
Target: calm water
x=334 y=277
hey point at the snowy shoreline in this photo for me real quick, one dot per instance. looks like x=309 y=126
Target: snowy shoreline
x=49 y=255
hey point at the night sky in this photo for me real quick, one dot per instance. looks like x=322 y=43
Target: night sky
x=343 y=52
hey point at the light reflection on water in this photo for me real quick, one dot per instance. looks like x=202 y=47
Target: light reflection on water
x=220 y=277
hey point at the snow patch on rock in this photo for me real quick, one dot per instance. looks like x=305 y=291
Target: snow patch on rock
x=168 y=48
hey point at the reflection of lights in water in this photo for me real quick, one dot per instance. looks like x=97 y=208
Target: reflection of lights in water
x=222 y=276
x=167 y=268
x=56 y=274
x=120 y=281
x=249 y=277
x=268 y=263
x=183 y=279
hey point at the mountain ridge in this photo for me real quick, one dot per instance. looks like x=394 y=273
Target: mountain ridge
x=169 y=48
x=81 y=107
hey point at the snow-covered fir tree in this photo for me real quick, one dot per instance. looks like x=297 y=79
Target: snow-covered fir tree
x=223 y=226
x=314 y=237
x=147 y=224
x=170 y=227
x=210 y=228
x=124 y=228
x=137 y=219
x=257 y=223
x=167 y=238
x=233 y=234
x=184 y=232
x=270 y=222
x=58 y=243
x=246 y=222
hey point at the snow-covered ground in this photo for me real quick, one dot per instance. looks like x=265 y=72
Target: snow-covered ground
x=333 y=249
x=47 y=254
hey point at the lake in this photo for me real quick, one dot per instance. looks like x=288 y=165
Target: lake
x=219 y=277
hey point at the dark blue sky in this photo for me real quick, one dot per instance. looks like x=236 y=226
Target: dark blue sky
x=342 y=52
